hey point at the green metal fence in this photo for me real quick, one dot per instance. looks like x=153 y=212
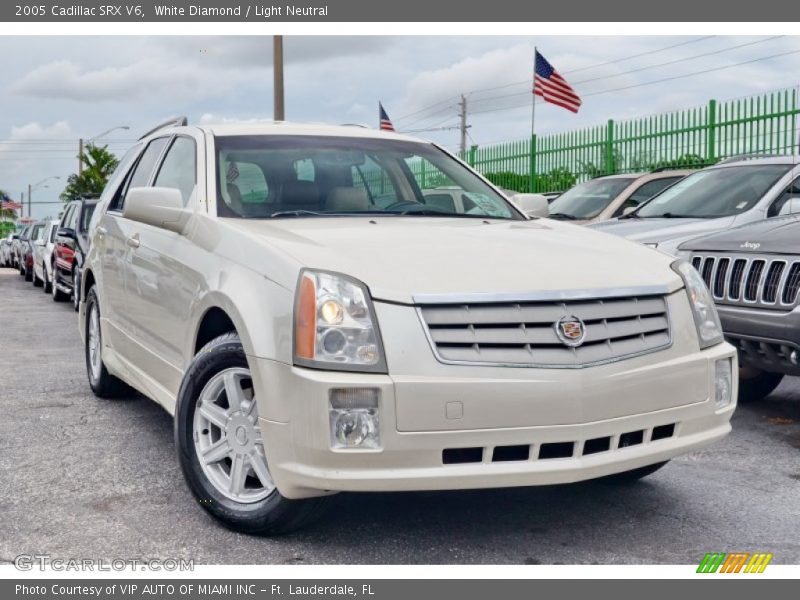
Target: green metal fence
x=697 y=137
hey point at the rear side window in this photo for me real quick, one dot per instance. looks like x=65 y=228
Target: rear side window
x=67 y=215
x=649 y=189
x=53 y=230
x=86 y=216
x=140 y=175
x=178 y=170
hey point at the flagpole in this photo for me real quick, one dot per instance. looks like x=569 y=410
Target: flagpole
x=532 y=182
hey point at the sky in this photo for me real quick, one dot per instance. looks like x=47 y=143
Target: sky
x=58 y=89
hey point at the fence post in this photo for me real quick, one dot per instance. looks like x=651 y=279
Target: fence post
x=711 y=144
x=471 y=156
x=610 y=167
x=532 y=166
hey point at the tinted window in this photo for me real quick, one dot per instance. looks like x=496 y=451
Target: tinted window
x=178 y=169
x=140 y=176
x=588 y=199
x=649 y=189
x=67 y=215
x=86 y=216
x=715 y=193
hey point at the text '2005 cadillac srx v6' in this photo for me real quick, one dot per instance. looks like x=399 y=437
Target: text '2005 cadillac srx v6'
x=315 y=325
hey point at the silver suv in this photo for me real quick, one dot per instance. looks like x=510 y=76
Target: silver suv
x=735 y=192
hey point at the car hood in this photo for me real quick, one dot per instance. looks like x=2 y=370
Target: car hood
x=403 y=258
x=778 y=235
x=654 y=231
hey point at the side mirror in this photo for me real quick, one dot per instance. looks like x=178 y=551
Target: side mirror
x=629 y=209
x=791 y=206
x=532 y=205
x=66 y=232
x=157 y=206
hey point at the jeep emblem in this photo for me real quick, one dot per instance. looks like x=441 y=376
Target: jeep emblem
x=570 y=330
x=750 y=246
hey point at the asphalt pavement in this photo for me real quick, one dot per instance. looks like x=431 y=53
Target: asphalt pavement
x=82 y=477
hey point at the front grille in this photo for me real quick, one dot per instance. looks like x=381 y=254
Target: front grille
x=770 y=281
x=766 y=354
x=524 y=333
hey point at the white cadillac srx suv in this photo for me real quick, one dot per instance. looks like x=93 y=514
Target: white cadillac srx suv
x=315 y=325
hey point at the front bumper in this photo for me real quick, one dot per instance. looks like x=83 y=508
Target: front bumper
x=293 y=403
x=765 y=339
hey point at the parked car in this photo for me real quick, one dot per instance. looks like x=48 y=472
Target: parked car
x=71 y=247
x=308 y=340
x=26 y=250
x=16 y=248
x=753 y=273
x=734 y=192
x=44 y=257
x=610 y=196
x=6 y=257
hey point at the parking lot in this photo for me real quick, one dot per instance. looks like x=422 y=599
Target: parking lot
x=89 y=478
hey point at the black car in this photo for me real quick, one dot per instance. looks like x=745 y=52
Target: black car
x=753 y=273
x=71 y=248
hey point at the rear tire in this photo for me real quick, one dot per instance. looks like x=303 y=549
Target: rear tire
x=220 y=366
x=630 y=477
x=103 y=384
x=36 y=281
x=46 y=281
x=28 y=273
x=759 y=386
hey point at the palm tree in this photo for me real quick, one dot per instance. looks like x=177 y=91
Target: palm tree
x=98 y=165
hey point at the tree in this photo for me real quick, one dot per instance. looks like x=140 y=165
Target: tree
x=98 y=165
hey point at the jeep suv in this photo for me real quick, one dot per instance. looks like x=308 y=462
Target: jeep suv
x=734 y=192
x=310 y=339
x=753 y=273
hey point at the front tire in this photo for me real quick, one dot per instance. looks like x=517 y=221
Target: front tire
x=757 y=385
x=220 y=448
x=46 y=281
x=36 y=281
x=28 y=273
x=76 y=294
x=103 y=384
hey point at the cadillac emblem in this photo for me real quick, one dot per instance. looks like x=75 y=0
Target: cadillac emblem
x=570 y=330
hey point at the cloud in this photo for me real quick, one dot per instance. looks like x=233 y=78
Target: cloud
x=66 y=80
x=35 y=131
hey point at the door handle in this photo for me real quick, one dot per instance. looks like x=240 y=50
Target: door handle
x=133 y=241
x=101 y=231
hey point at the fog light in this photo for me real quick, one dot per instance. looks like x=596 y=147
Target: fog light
x=723 y=383
x=354 y=418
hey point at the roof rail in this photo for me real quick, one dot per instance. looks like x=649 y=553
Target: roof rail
x=678 y=167
x=361 y=125
x=173 y=122
x=752 y=156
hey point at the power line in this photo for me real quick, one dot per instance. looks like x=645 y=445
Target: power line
x=594 y=66
x=655 y=81
x=645 y=68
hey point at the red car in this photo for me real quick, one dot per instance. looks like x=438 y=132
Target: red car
x=71 y=248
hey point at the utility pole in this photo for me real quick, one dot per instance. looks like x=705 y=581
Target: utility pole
x=29 y=199
x=463 y=126
x=277 y=74
x=80 y=156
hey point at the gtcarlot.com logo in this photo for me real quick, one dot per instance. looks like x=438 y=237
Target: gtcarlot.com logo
x=735 y=562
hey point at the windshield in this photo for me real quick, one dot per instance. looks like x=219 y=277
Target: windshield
x=273 y=176
x=588 y=199
x=715 y=193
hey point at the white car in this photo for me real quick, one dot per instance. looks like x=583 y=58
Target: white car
x=43 y=258
x=309 y=339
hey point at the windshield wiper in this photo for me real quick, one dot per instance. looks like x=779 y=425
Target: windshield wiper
x=560 y=215
x=297 y=213
x=669 y=215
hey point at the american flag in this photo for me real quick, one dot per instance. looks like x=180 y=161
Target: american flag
x=552 y=87
x=7 y=203
x=385 y=122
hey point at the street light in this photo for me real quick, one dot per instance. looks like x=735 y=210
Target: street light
x=94 y=137
x=37 y=185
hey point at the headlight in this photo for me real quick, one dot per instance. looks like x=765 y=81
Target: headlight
x=706 y=319
x=335 y=325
